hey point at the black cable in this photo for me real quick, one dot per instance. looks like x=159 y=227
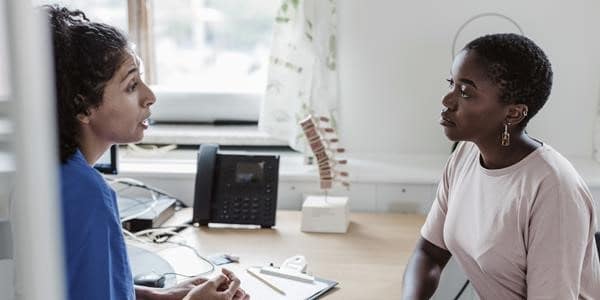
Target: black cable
x=164 y=237
x=461 y=290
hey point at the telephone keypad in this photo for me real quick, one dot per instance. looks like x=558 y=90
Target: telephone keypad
x=252 y=209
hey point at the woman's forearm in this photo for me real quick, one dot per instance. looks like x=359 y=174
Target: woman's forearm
x=421 y=277
x=423 y=270
x=145 y=293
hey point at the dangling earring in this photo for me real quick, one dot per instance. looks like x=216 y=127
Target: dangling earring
x=505 y=136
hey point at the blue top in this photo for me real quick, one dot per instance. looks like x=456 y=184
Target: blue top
x=96 y=257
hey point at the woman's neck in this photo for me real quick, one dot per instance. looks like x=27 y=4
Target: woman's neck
x=495 y=156
x=92 y=148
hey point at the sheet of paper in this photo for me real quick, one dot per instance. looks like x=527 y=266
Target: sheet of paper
x=293 y=289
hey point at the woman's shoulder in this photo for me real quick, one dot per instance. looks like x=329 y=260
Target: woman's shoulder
x=77 y=170
x=83 y=185
x=553 y=164
x=555 y=172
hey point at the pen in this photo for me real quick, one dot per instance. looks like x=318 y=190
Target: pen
x=263 y=279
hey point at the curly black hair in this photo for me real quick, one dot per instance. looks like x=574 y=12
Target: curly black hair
x=86 y=56
x=518 y=66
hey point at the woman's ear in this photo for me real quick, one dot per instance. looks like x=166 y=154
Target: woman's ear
x=84 y=118
x=87 y=116
x=516 y=113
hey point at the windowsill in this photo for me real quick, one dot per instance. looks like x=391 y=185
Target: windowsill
x=415 y=169
x=181 y=163
x=188 y=134
x=408 y=169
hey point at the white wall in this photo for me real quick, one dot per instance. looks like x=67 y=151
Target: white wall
x=394 y=57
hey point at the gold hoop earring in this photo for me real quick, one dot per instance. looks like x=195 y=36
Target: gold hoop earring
x=505 y=141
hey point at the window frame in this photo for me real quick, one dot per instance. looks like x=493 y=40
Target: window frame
x=139 y=21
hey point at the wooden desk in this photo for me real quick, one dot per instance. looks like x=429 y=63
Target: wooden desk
x=367 y=261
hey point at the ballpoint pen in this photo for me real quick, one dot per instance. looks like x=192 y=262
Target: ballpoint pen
x=265 y=280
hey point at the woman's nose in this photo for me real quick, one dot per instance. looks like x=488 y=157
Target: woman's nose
x=448 y=101
x=149 y=98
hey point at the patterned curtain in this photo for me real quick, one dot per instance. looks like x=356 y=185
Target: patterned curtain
x=303 y=76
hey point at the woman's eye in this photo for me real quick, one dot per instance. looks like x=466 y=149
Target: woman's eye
x=132 y=87
x=462 y=90
x=463 y=93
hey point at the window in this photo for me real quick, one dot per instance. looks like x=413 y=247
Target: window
x=212 y=45
x=206 y=60
x=209 y=58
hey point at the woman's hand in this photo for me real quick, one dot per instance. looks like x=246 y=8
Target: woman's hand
x=177 y=292
x=225 y=286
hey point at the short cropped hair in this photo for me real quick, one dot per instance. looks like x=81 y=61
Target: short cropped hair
x=518 y=66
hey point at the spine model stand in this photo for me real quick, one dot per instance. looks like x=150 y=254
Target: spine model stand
x=323 y=140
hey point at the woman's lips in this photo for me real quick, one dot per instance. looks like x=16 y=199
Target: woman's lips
x=444 y=121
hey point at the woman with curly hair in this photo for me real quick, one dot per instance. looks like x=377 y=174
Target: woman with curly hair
x=514 y=213
x=102 y=100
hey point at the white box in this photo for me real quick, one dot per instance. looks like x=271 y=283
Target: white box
x=325 y=214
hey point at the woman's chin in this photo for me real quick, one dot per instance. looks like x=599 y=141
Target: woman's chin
x=450 y=135
x=135 y=137
x=139 y=134
x=138 y=138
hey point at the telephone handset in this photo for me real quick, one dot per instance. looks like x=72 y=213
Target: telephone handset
x=235 y=188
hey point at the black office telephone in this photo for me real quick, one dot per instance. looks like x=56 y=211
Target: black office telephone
x=234 y=188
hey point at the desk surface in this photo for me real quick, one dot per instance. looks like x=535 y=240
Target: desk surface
x=367 y=261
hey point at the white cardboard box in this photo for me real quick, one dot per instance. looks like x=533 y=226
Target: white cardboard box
x=325 y=214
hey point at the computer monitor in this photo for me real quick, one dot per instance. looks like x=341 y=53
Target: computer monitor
x=107 y=163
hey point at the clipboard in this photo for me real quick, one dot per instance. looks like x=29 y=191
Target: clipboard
x=293 y=289
x=330 y=285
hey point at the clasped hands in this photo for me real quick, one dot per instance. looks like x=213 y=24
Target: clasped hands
x=224 y=286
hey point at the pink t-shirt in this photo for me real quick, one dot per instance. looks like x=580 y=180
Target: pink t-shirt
x=522 y=232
